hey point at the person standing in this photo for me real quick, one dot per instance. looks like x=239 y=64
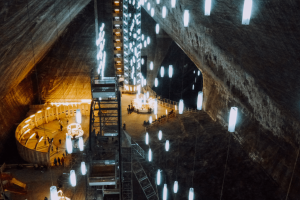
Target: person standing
x=61 y=127
x=67 y=121
x=62 y=161
x=58 y=159
x=55 y=161
x=56 y=149
x=59 y=141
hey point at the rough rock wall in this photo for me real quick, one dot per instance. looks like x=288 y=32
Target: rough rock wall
x=27 y=30
x=254 y=67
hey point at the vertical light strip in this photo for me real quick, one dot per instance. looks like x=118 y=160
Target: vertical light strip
x=186 y=18
x=207 y=7
x=247 y=12
x=232 y=119
x=200 y=100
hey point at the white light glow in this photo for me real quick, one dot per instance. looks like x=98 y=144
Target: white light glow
x=165 y=193
x=191 y=194
x=167 y=145
x=83 y=168
x=143 y=61
x=157 y=1
x=152 y=12
x=150 y=155
x=155 y=106
x=143 y=37
x=170 y=71
x=147 y=138
x=145 y=43
x=148 y=40
x=186 y=18
x=158 y=177
x=53 y=193
x=156 y=82
x=164 y=12
x=173 y=3
x=207 y=7
x=151 y=65
x=247 y=12
x=148 y=6
x=199 y=100
x=232 y=119
x=199 y=72
x=145 y=81
x=166 y=111
x=159 y=134
x=193 y=87
x=78 y=116
x=157 y=28
x=162 y=71
x=73 y=178
x=180 y=106
x=80 y=141
x=175 y=188
x=69 y=144
x=150 y=119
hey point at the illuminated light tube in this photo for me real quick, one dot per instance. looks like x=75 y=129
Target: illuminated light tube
x=32 y=116
x=78 y=116
x=193 y=87
x=83 y=168
x=148 y=6
x=149 y=155
x=170 y=71
x=167 y=145
x=69 y=144
x=150 y=119
x=26 y=126
x=175 y=188
x=198 y=72
x=195 y=80
x=186 y=18
x=156 y=82
x=53 y=193
x=194 y=72
x=232 y=119
x=158 y=177
x=157 y=1
x=143 y=37
x=41 y=139
x=48 y=108
x=157 y=28
x=159 y=134
x=151 y=65
x=148 y=40
x=155 y=106
x=173 y=3
x=32 y=136
x=247 y=12
x=199 y=100
x=145 y=81
x=147 y=95
x=143 y=61
x=145 y=43
x=191 y=194
x=166 y=111
x=152 y=12
x=147 y=138
x=80 y=141
x=165 y=192
x=73 y=178
x=26 y=131
x=180 y=106
x=144 y=98
x=162 y=71
x=39 y=111
x=164 y=12
x=207 y=7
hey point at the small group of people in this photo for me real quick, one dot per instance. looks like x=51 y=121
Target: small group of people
x=130 y=109
x=60 y=123
x=58 y=161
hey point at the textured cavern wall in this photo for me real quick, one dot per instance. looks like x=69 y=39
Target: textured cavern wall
x=253 y=67
x=27 y=30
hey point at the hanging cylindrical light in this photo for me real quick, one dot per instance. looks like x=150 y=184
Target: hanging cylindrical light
x=148 y=6
x=150 y=119
x=193 y=87
x=69 y=144
x=175 y=188
x=186 y=18
x=165 y=192
x=142 y=61
x=152 y=12
x=156 y=82
x=147 y=138
x=155 y=106
x=157 y=1
x=145 y=81
x=180 y=106
x=200 y=100
x=232 y=119
x=143 y=37
x=157 y=28
x=166 y=111
x=158 y=177
x=170 y=71
x=145 y=43
x=78 y=116
x=159 y=134
x=144 y=98
x=164 y=12
x=162 y=71
x=147 y=94
x=83 y=168
x=173 y=3
x=53 y=193
x=151 y=65
x=207 y=7
x=148 y=40
x=191 y=194
x=167 y=145
x=80 y=141
x=198 y=72
x=73 y=178
x=149 y=155
x=247 y=12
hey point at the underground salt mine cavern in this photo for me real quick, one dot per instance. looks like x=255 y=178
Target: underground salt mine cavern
x=149 y=100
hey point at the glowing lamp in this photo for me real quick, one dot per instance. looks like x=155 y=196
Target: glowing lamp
x=148 y=5
x=142 y=37
x=198 y=72
x=150 y=155
x=145 y=81
x=73 y=178
x=193 y=87
x=167 y=145
x=148 y=40
x=143 y=61
x=157 y=28
x=53 y=193
x=199 y=100
x=164 y=12
x=80 y=141
x=151 y=65
x=145 y=43
x=147 y=138
x=152 y=12
x=147 y=94
x=173 y=3
x=150 y=119
x=166 y=111
x=144 y=98
x=69 y=144
x=191 y=194
x=162 y=71
x=186 y=18
x=83 y=168
x=232 y=119
x=157 y=1
x=158 y=177
x=175 y=188
x=156 y=82
x=170 y=71
x=180 y=106
x=247 y=12
x=78 y=116
x=165 y=193
x=159 y=134
x=155 y=106
x=207 y=7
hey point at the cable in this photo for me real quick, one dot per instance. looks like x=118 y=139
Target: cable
x=225 y=166
x=292 y=175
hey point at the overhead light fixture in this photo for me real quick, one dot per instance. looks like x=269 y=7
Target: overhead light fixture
x=167 y=145
x=247 y=12
x=164 y=12
x=152 y=12
x=73 y=178
x=53 y=193
x=83 y=168
x=145 y=43
x=147 y=138
x=155 y=106
x=159 y=134
x=207 y=7
x=232 y=119
x=150 y=119
x=193 y=87
x=198 y=72
x=148 y=40
x=143 y=61
x=180 y=106
x=173 y=3
x=186 y=18
x=151 y=65
x=80 y=141
x=148 y=6
x=69 y=144
x=170 y=71
x=157 y=1
x=143 y=37
x=78 y=116
x=147 y=94
x=157 y=28
x=165 y=192
x=200 y=100
x=158 y=177
x=149 y=155
x=156 y=82
x=162 y=71
x=175 y=188
x=191 y=194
